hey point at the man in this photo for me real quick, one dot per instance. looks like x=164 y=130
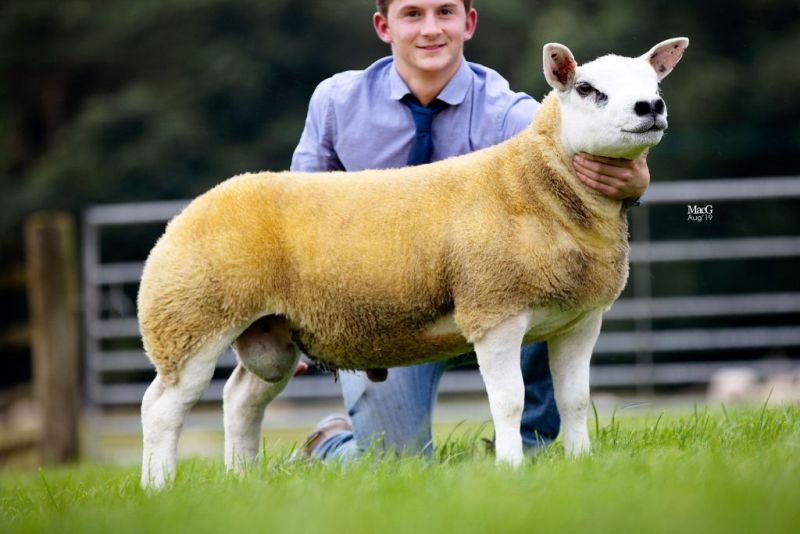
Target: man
x=427 y=103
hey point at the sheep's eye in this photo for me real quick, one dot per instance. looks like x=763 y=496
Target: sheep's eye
x=584 y=89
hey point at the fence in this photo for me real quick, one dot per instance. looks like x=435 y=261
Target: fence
x=110 y=312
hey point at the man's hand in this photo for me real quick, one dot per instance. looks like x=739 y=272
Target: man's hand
x=616 y=178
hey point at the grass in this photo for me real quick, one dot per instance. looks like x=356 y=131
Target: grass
x=706 y=471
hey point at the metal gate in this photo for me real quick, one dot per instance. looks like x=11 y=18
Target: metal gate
x=117 y=371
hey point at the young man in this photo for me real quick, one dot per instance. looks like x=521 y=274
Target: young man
x=426 y=103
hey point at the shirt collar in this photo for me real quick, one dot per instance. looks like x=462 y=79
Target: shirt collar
x=453 y=93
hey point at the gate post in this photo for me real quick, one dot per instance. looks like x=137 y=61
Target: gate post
x=54 y=325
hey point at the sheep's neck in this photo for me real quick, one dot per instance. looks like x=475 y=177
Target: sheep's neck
x=548 y=149
x=544 y=170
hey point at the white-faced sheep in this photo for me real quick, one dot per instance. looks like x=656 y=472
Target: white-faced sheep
x=377 y=269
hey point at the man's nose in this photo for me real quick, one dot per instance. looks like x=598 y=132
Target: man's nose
x=430 y=25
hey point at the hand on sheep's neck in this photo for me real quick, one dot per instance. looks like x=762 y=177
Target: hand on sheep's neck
x=617 y=180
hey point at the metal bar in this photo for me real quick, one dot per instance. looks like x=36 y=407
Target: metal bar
x=704 y=306
x=309 y=388
x=723 y=189
x=119 y=273
x=686 y=373
x=642 y=288
x=698 y=339
x=715 y=249
x=91 y=309
x=113 y=328
x=135 y=360
x=134 y=213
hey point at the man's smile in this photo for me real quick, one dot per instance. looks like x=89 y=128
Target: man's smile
x=431 y=48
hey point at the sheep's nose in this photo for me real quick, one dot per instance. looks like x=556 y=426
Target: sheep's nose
x=643 y=107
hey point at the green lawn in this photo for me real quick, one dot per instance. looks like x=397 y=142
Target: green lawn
x=707 y=471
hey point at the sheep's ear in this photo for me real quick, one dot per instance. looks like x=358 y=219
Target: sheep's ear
x=665 y=55
x=559 y=66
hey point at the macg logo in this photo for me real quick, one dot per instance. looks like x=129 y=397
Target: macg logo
x=700 y=213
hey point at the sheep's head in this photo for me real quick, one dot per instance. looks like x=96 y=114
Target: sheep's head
x=611 y=106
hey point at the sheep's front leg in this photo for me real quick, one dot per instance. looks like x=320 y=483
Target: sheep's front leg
x=570 y=355
x=498 y=353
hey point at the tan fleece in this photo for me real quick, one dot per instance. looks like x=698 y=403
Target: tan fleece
x=361 y=264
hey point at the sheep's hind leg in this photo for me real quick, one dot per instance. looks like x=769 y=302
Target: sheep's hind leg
x=164 y=408
x=498 y=353
x=267 y=359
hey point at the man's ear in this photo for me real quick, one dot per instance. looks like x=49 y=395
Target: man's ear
x=381 y=26
x=559 y=66
x=665 y=55
x=472 y=22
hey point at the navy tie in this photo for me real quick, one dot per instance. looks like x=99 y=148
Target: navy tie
x=422 y=147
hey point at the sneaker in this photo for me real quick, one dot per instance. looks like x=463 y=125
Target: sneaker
x=328 y=426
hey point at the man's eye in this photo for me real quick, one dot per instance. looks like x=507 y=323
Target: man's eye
x=446 y=11
x=412 y=14
x=584 y=89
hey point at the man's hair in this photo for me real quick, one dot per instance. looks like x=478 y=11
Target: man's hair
x=383 y=6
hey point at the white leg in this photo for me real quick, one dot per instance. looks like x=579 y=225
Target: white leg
x=151 y=395
x=570 y=355
x=267 y=360
x=163 y=411
x=244 y=398
x=498 y=355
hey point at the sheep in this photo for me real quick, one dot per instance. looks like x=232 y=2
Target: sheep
x=376 y=269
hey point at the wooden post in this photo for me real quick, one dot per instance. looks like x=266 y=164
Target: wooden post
x=53 y=306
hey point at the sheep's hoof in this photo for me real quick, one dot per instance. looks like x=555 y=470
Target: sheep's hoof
x=377 y=375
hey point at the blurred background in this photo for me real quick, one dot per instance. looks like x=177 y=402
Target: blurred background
x=114 y=112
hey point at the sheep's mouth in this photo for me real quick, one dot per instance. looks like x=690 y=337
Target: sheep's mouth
x=653 y=125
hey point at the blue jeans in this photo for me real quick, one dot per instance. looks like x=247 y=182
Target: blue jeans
x=398 y=412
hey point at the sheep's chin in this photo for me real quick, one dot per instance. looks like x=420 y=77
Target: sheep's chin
x=632 y=148
x=645 y=139
x=631 y=144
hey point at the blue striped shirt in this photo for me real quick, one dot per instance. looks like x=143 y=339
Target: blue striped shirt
x=356 y=119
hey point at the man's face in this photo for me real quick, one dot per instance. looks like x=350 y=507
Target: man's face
x=427 y=36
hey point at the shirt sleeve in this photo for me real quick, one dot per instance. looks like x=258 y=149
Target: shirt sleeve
x=519 y=116
x=315 y=151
